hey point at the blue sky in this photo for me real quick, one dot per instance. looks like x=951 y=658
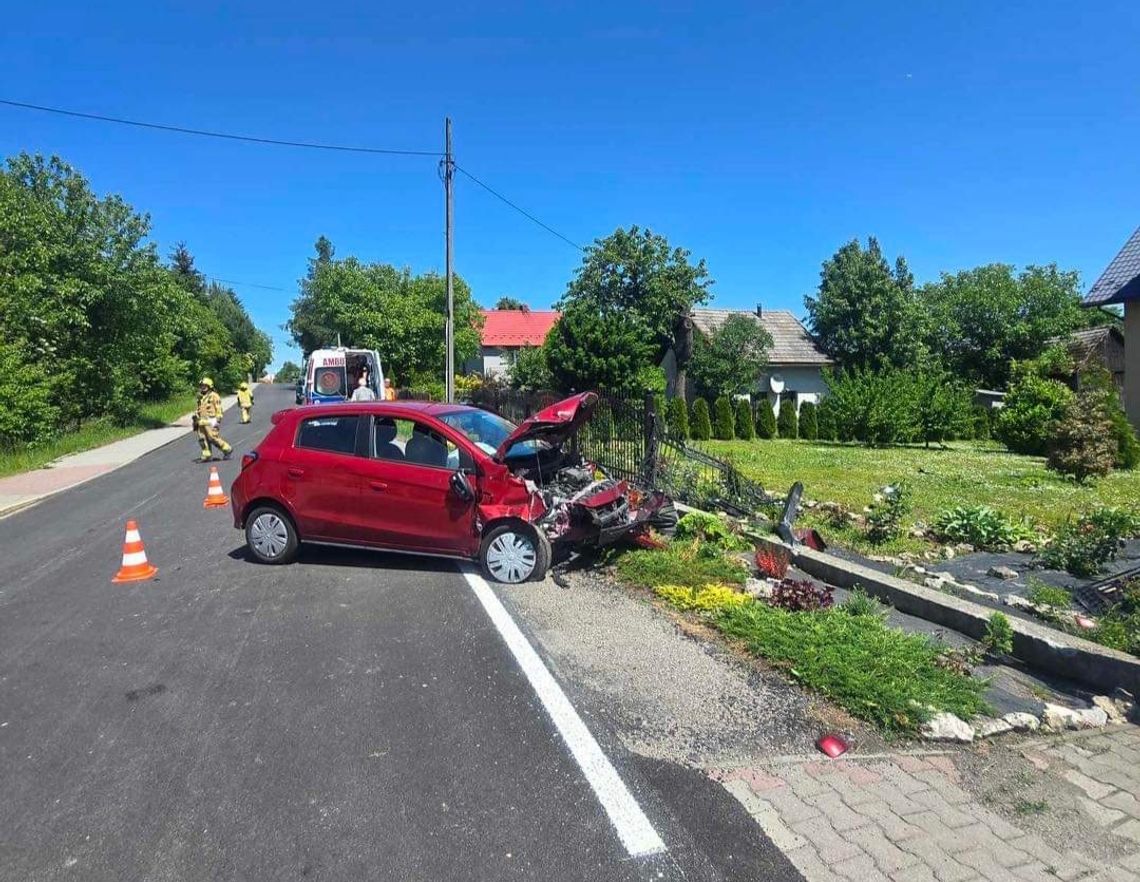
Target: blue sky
x=759 y=136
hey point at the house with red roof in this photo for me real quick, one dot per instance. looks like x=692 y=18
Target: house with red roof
x=505 y=332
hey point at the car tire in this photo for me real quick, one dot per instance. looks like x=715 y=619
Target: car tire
x=270 y=535
x=513 y=553
x=664 y=520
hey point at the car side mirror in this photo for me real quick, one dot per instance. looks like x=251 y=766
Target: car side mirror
x=461 y=487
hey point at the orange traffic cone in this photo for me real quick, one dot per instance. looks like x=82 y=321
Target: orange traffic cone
x=215 y=497
x=135 y=566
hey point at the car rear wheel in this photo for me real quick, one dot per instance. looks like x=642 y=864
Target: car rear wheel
x=270 y=535
x=514 y=553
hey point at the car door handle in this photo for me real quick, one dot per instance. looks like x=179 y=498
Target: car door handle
x=296 y=473
x=378 y=486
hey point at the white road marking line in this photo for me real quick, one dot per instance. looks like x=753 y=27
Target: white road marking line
x=633 y=827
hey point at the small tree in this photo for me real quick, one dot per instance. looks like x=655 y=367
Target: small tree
x=744 y=429
x=1082 y=442
x=787 y=424
x=809 y=422
x=722 y=420
x=677 y=418
x=700 y=426
x=825 y=416
x=765 y=419
x=941 y=406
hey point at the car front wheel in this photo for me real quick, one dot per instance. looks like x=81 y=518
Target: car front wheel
x=270 y=535
x=514 y=553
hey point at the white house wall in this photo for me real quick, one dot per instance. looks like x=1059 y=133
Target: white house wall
x=804 y=381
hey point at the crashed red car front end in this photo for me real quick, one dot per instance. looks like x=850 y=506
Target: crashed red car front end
x=436 y=479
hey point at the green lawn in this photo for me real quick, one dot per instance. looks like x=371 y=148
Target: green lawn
x=95 y=434
x=967 y=473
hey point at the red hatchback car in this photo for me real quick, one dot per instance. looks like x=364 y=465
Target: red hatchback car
x=437 y=479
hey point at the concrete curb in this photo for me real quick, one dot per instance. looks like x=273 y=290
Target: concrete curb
x=1046 y=649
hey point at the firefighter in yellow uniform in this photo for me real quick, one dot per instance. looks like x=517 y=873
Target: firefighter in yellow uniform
x=207 y=418
x=245 y=401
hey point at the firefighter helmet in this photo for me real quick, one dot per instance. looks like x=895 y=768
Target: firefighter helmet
x=207 y=382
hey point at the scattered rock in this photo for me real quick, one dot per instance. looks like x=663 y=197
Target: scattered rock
x=971 y=591
x=947 y=727
x=1084 y=622
x=1006 y=573
x=1024 y=546
x=921 y=571
x=1117 y=711
x=917 y=533
x=985 y=727
x=1021 y=721
x=964 y=548
x=947 y=552
x=1058 y=718
x=1016 y=600
x=935 y=582
x=761 y=589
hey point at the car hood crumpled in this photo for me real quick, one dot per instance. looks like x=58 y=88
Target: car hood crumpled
x=553 y=424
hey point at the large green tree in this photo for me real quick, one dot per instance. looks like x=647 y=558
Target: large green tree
x=984 y=318
x=594 y=350
x=637 y=274
x=865 y=313
x=729 y=360
x=507 y=302
x=87 y=307
x=378 y=306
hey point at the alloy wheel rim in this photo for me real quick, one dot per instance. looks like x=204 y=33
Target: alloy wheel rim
x=269 y=535
x=511 y=557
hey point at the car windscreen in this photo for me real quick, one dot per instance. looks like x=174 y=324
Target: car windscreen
x=487 y=431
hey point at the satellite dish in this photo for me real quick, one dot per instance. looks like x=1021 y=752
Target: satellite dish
x=776 y=383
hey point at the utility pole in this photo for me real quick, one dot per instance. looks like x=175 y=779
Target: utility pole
x=448 y=188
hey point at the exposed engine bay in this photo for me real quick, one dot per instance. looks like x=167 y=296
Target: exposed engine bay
x=586 y=506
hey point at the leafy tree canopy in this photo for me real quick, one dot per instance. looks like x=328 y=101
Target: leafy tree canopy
x=290 y=373
x=729 y=361
x=983 y=318
x=593 y=350
x=511 y=303
x=865 y=314
x=637 y=274
x=377 y=306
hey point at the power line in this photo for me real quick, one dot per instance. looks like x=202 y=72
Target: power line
x=249 y=284
x=521 y=211
x=309 y=145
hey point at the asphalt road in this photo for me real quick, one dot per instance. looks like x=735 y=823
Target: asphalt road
x=352 y=716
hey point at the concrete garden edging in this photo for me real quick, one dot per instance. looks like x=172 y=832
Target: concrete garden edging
x=1098 y=667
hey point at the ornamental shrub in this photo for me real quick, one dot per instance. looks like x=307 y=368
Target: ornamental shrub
x=979 y=525
x=708 y=598
x=700 y=426
x=809 y=421
x=980 y=422
x=802 y=595
x=1097 y=382
x=722 y=420
x=1082 y=443
x=825 y=417
x=710 y=530
x=787 y=422
x=677 y=418
x=1084 y=546
x=887 y=510
x=1031 y=407
x=765 y=419
x=744 y=428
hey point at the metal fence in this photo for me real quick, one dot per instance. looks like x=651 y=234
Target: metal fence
x=628 y=438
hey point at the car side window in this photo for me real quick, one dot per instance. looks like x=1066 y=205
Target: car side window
x=335 y=434
x=398 y=440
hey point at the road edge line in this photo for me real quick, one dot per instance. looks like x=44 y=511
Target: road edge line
x=633 y=828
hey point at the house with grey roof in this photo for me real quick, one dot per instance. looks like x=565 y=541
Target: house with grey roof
x=1120 y=283
x=795 y=364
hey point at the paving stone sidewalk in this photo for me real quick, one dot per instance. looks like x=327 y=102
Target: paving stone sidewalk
x=932 y=817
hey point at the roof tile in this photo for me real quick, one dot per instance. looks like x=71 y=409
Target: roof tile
x=1121 y=281
x=517 y=327
x=791 y=343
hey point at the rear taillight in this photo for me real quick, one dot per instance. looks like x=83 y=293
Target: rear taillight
x=248 y=459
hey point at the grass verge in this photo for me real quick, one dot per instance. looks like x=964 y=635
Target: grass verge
x=878 y=673
x=154 y=415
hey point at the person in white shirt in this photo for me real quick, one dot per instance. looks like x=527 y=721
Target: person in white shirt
x=362 y=392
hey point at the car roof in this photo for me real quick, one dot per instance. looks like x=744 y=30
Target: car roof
x=431 y=408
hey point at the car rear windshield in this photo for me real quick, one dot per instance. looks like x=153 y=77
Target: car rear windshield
x=488 y=430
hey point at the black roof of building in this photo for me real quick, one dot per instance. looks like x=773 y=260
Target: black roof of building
x=1121 y=281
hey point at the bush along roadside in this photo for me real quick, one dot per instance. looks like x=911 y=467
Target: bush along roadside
x=850 y=655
